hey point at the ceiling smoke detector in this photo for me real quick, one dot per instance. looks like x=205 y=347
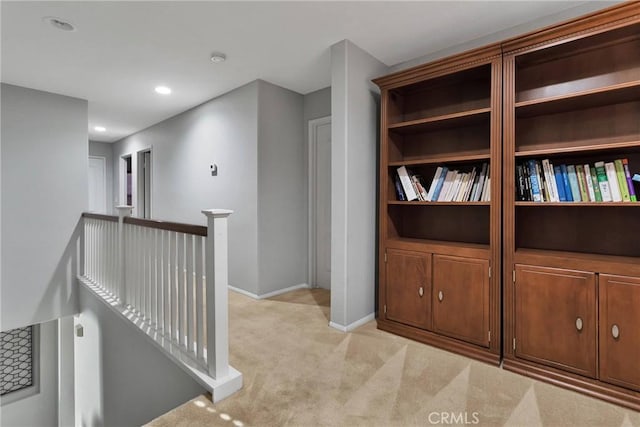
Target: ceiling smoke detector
x=218 y=57
x=59 y=24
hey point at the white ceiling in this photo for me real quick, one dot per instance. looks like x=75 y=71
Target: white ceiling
x=122 y=50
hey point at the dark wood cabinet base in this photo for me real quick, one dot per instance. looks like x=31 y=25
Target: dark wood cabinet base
x=439 y=341
x=594 y=388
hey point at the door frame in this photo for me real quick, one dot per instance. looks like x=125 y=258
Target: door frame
x=135 y=195
x=311 y=147
x=104 y=176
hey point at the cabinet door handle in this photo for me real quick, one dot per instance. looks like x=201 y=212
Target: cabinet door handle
x=421 y=291
x=615 y=331
x=440 y=296
x=579 y=324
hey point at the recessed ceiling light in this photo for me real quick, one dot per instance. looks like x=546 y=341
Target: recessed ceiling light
x=218 y=57
x=163 y=90
x=59 y=24
x=99 y=128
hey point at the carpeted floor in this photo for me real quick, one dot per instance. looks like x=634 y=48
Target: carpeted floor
x=299 y=372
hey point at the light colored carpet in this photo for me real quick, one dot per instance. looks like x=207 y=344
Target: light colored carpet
x=299 y=372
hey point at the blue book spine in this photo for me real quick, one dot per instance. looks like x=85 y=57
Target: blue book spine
x=573 y=182
x=436 y=192
x=565 y=181
x=560 y=184
x=535 y=185
x=399 y=190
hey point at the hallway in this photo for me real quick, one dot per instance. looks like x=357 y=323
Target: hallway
x=300 y=372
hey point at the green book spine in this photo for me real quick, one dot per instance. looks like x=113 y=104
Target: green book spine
x=603 y=182
x=582 y=185
x=622 y=181
x=596 y=186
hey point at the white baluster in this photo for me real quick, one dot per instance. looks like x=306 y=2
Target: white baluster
x=181 y=290
x=166 y=278
x=199 y=298
x=189 y=288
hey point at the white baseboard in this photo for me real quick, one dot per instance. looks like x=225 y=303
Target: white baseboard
x=269 y=294
x=355 y=325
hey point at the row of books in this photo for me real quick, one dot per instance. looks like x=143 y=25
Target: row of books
x=541 y=181
x=447 y=185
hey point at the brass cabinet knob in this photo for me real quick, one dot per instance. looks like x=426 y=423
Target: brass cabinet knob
x=440 y=296
x=615 y=331
x=579 y=324
x=421 y=291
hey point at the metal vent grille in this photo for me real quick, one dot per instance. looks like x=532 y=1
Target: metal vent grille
x=16 y=360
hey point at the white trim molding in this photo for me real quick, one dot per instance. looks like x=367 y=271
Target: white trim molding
x=355 y=325
x=269 y=294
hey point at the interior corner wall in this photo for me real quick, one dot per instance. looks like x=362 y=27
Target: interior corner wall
x=44 y=191
x=104 y=149
x=282 y=190
x=223 y=131
x=316 y=105
x=354 y=139
x=121 y=378
x=41 y=408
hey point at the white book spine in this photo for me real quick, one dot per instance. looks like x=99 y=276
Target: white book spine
x=407 y=186
x=612 y=177
x=446 y=185
x=590 y=189
x=472 y=178
x=550 y=180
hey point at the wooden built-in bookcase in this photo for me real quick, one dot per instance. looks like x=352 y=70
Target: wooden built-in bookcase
x=437 y=259
x=572 y=269
x=550 y=288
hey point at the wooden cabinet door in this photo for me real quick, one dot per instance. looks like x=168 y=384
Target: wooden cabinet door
x=555 y=315
x=461 y=298
x=408 y=288
x=620 y=330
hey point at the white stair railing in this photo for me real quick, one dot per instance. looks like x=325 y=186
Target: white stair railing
x=169 y=278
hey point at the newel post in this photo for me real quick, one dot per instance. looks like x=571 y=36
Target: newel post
x=217 y=298
x=123 y=212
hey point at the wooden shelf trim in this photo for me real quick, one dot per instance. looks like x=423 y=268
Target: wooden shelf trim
x=421 y=203
x=597 y=145
x=635 y=84
x=443 y=159
x=610 y=264
x=463 y=249
x=440 y=119
x=578 y=204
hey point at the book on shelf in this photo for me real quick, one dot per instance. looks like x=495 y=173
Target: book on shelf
x=573 y=182
x=399 y=191
x=622 y=180
x=542 y=181
x=582 y=184
x=612 y=177
x=627 y=174
x=603 y=183
x=407 y=185
x=434 y=182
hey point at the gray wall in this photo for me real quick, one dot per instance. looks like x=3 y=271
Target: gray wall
x=255 y=136
x=222 y=131
x=316 y=105
x=44 y=191
x=40 y=409
x=582 y=9
x=354 y=139
x=282 y=189
x=122 y=379
x=103 y=149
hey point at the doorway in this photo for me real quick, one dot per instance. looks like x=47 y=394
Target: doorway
x=126 y=180
x=97 y=184
x=320 y=203
x=144 y=184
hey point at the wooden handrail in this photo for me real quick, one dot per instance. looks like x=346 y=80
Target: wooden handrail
x=178 y=227
x=99 y=216
x=198 y=230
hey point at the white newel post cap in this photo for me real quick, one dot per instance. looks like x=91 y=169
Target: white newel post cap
x=217 y=213
x=124 y=208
